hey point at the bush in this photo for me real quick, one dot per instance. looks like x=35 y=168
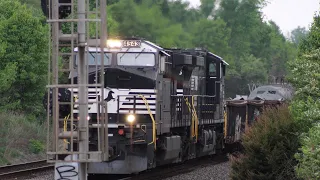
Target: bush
x=269 y=148
x=15 y=133
x=36 y=146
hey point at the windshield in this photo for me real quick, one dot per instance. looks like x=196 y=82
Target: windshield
x=136 y=59
x=94 y=58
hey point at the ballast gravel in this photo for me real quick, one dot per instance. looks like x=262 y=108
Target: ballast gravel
x=212 y=172
x=45 y=175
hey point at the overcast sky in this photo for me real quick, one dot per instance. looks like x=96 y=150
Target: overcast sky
x=288 y=14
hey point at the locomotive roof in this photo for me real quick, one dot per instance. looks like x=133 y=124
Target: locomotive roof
x=196 y=52
x=94 y=45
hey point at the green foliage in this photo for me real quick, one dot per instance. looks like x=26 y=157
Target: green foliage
x=306 y=112
x=253 y=69
x=304 y=77
x=309 y=164
x=32 y=3
x=8 y=75
x=146 y=20
x=298 y=35
x=311 y=42
x=213 y=35
x=36 y=146
x=251 y=36
x=23 y=60
x=269 y=148
x=207 y=7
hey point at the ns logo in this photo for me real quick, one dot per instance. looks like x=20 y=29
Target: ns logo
x=93 y=94
x=110 y=96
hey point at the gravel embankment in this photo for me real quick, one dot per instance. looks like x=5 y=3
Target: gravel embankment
x=46 y=175
x=213 y=172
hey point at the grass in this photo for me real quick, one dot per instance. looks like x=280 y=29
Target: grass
x=20 y=138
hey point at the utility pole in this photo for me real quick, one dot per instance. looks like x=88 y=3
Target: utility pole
x=83 y=109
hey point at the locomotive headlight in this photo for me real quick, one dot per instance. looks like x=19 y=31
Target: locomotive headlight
x=131 y=118
x=113 y=43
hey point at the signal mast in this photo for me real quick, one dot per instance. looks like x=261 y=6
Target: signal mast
x=71 y=162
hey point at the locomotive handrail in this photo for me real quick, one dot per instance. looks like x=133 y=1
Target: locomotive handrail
x=192 y=123
x=65 y=126
x=153 y=122
x=196 y=119
x=194 y=128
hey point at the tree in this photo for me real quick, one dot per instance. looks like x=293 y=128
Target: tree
x=147 y=21
x=181 y=13
x=250 y=35
x=213 y=35
x=305 y=78
x=306 y=107
x=311 y=42
x=278 y=54
x=207 y=7
x=309 y=164
x=252 y=69
x=24 y=57
x=305 y=75
x=298 y=34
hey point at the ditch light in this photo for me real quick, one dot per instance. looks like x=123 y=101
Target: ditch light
x=131 y=118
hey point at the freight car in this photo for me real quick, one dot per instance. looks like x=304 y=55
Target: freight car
x=241 y=114
x=272 y=92
x=164 y=105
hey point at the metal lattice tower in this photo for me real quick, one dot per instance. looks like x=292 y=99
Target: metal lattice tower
x=69 y=38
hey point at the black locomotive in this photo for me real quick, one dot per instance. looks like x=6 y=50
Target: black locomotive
x=164 y=105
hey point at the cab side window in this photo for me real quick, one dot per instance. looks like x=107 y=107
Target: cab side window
x=212 y=69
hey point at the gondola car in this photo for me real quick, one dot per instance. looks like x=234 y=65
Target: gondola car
x=241 y=114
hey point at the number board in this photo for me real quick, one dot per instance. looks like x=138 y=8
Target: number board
x=131 y=43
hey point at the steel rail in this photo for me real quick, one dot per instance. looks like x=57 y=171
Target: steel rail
x=17 y=170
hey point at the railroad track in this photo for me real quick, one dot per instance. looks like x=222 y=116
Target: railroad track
x=24 y=169
x=167 y=171
x=162 y=172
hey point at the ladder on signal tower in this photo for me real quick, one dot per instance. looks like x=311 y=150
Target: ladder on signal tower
x=66 y=34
